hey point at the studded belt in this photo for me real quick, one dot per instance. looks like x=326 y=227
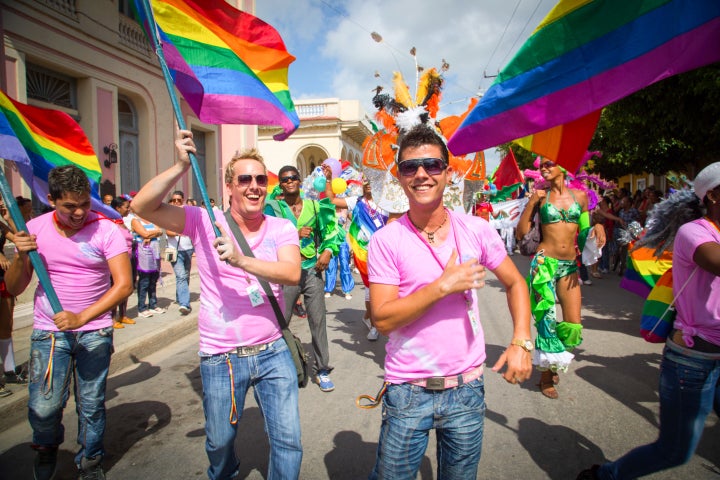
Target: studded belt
x=251 y=350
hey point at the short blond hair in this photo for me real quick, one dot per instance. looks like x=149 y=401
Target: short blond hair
x=249 y=154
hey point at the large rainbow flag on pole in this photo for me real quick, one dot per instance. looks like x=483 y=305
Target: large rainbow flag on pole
x=40 y=139
x=588 y=54
x=230 y=66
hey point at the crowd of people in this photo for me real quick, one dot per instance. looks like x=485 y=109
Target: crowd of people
x=421 y=270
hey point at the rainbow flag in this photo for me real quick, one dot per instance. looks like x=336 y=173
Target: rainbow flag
x=361 y=229
x=585 y=55
x=40 y=139
x=566 y=144
x=230 y=66
x=644 y=269
x=657 y=317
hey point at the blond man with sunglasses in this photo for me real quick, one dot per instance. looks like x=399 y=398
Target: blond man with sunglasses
x=241 y=344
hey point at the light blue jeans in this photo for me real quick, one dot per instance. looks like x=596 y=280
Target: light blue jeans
x=181 y=267
x=410 y=412
x=689 y=390
x=341 y=260
x=84 y=356
x=272 y=375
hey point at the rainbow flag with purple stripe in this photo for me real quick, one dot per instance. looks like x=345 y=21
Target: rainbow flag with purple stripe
x=40 y=139
x=230 y=66
x=362 y=227
x=585 y=55
x=644 y=270
x=658 y=314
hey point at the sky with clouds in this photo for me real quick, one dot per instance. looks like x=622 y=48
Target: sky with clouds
x=336 y=56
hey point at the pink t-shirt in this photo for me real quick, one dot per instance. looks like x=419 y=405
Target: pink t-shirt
x=227 y=319
x=698 y=306
x=77 y=267
x=442 y=341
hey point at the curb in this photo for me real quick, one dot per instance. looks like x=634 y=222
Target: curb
x=14 y=407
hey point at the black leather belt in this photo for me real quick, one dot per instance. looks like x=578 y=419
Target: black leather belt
x=699 y=345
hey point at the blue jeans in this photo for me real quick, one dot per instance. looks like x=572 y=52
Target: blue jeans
x=272 y=375
x=181 y=267
x=346 y=279
x=688 y=390
x=410 y=412
x=147 y=285
x=84 y=356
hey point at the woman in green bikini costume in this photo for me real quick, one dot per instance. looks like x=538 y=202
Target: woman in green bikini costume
x=564 y=221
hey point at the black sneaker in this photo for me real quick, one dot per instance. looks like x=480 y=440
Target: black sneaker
x=45 y=461
x=91 y=469
x=589 y=474
x=299 y=310
x=18 y=376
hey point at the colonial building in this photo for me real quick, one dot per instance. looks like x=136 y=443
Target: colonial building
x=329 y=128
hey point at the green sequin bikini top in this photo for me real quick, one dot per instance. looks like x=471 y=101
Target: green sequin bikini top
x=549 y=213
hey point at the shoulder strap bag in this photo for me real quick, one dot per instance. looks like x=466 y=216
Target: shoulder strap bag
x=300 y=358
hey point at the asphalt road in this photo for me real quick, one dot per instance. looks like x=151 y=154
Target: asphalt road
x=608 y=404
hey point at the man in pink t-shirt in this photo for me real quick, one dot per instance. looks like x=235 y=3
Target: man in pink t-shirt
x=241 y=343
x=82 y=251
x=424 y=272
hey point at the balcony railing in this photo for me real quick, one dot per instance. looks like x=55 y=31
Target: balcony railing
x=66 y=7
x=131 y=35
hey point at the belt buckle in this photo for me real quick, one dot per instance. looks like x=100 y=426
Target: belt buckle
x=435 y=383
x=249 y=350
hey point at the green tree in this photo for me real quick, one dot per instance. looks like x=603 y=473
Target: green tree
x=670 y=125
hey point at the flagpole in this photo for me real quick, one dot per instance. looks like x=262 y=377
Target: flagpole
x=178 y=113
x=37 y=263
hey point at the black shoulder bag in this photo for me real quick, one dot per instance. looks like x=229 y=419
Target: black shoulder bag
x=299 y=356
x=529 y=242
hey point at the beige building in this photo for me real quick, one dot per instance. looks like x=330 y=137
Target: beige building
x=329 y=128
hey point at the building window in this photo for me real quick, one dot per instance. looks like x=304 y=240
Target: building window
x=124 y=7
x=51 y=87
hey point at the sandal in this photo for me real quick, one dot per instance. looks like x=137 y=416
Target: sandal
x=556 y=378
x=547 y=386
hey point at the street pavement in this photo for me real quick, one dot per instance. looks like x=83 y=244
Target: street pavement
x=608 y=400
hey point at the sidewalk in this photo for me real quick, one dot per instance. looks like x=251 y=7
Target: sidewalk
x=131 y=343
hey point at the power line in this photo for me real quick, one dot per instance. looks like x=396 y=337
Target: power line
x=501 y=38
x=520 y=35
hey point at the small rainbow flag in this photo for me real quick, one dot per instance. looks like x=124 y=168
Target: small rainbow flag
x=585 y=55
x=48 y=139
x=361 y=229
x=644 y=269
x=230 y=66
x=658 y=316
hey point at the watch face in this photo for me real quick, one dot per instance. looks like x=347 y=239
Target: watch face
x=528 y=345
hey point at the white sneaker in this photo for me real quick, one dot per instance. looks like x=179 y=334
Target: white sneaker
x=158 y=310
x=373 y=334
x=145 y=314
x=367 y=323
x=586 y=282
x=348 y=296
x=328 y=294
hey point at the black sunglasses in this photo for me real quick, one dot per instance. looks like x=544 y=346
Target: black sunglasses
x=433 y=166
x=548 y=164
x=176 y=200
x=289 y=178
x=261 y=180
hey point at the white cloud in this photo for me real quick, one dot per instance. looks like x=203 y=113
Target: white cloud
x=336 y=56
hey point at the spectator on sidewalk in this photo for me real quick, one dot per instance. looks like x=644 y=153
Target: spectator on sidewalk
x=317 y=230
x=12 y=373
x=122 y=206
x=424 y=270
x=148 y=266
x=76 y=343
x=241 y=345
x=183 y=260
